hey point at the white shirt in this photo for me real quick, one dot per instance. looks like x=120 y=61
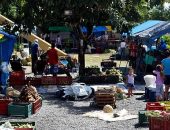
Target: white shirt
x=58 y=41
x=130 y=79
x=122 y=44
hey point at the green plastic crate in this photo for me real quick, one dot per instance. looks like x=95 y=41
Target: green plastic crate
x=24 y=110
x=143 y=119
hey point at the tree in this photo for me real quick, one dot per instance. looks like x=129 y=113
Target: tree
x=122 y=14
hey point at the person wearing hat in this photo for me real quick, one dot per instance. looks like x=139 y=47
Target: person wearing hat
x=34 y=55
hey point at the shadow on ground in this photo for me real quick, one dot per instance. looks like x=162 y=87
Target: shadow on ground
x=73 y=107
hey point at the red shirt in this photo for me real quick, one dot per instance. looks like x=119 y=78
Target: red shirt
x=133 y=49
x=52 y=56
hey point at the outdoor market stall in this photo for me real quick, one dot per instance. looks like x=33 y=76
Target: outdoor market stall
x=150 y=34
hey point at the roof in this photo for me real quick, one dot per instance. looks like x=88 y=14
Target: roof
x=59 y=28
x=151 y=29
x=144 y=26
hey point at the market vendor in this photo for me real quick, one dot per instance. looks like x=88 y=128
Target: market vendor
x=53 y=61
x=149 y=61
x=34 y=55
x=162 y=46
x=132 y=53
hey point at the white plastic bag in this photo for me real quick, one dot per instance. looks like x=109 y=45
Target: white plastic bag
x=79 y=89
x=4 y=67
x=150 y=80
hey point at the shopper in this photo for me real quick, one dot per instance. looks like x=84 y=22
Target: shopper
x=53 y=59
x=122 y=49
x=58 y=42
x=166 y=70
x=130 y=81
x=159 y=82
x=34 y=55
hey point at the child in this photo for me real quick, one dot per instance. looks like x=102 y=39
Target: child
x=159 y=82
x=130 y=81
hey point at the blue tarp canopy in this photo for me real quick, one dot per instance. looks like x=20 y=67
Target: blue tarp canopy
x=6 y=46
x=144 y=26
x=95 y=29
x=151 y=30
x=100 y=29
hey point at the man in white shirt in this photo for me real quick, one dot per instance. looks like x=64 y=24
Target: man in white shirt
x=58 y=42
x=122 y=48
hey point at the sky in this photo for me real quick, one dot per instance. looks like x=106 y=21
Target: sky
x=166 y=5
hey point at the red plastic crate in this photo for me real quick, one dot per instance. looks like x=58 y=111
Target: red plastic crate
x=61 y=80
x=156 y=124
x=4 y=106
x=48 y=80
x=167 y=125
x=159 y=123
x=33 y=81
x=154 y=106
x=36 y=105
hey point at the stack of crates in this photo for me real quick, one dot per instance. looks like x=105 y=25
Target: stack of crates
x=105 y=97
x=150 y=106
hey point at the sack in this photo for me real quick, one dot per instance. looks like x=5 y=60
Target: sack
x=4 y=67
x=79 y=89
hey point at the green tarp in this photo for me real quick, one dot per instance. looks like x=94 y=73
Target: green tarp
x=59 y=28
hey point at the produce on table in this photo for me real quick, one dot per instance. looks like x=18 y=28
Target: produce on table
x=12 y=126
x=24 y=126
x=11 y=92
x=116 y=72
x=108 y=109
x=157 y=113
x=28 y=94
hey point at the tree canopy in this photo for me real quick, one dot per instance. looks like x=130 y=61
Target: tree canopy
x=120 y=14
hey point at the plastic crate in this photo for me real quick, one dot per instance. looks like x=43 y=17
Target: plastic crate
x=142 y=118
x=35 y=81
x=156 y=124
x=23 y=110
x=4 y=106
x=166 y=124
x=36 y=105
x=63 y=80
x=154 y=106
x=48 y=80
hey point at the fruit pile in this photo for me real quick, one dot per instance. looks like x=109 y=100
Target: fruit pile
x=158 y=113
x=28 y=94
x=115 y=72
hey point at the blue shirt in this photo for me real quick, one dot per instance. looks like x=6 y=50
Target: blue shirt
x=166 y=66
x=34 y=48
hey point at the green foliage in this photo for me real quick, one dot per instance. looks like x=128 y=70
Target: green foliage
x=121 y=14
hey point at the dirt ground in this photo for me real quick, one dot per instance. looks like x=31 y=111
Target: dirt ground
x=96 y=59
